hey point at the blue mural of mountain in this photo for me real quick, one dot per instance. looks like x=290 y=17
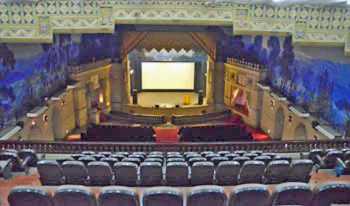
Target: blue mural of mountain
x=319 y=85
x=29 y=72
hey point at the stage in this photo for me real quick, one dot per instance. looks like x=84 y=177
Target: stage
x=166 y=99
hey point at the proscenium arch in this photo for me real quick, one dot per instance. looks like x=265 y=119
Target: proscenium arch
x=279 y=124
x=300 y=132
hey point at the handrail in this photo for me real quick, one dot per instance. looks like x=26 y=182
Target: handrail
x=269 y=146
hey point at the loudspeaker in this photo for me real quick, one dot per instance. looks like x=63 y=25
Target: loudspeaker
x=347 y=129
x=314 y=124
x=134 y=98
x=200 y=98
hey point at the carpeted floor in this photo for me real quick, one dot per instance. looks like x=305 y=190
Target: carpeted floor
x=33 y=180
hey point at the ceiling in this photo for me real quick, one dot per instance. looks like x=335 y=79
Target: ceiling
x=288 y=2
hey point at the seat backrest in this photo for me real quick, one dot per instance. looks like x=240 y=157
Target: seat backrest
x=29 y=196
x=193 y=160
x=176 y=174
x=110 y=160
x=332 y=193
x=207 y=195
x=265 y=159
x=300 y=170
x=125 y=173
x=160 y=196
x=31 y=154
x=292 y=193
x=330 y=160
x=100 y=173
x=241 y=160
x=202 y=173
x=251 y=172
x=227 y=172
x=133 y=160
x=249 y=195
x=118 y=195
x=50 y=172
x=86 y=159
x=151 y=173
x=74 y=195
x=88 y=152
x=75 y=172
x=175 y=159
x=217 y=160
x=276 y=172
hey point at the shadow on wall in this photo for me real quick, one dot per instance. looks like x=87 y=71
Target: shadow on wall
x=321 y=86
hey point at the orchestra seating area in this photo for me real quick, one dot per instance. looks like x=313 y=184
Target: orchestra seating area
x=120 y=133
x=214 y=132
x=192 y=177
x=201 y=119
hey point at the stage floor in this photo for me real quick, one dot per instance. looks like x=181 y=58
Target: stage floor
x=150 y=99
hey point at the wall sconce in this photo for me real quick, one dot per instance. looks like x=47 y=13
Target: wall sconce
x=63 y=102
x=46 y=118
x=290 y=118
x=131 y=72
x=100 y=98
x=33 y=123
x=272 y=104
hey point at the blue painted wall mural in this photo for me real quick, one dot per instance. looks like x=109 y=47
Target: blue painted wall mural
x=320 y=85
x=31 y=72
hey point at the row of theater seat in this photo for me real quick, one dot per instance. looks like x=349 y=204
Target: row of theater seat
x=330 y=158
x=174 y=169
x=243 y=195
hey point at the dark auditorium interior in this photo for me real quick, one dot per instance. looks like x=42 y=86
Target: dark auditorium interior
x=174 y=102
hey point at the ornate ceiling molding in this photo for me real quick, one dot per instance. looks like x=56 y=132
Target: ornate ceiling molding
x=38 y=21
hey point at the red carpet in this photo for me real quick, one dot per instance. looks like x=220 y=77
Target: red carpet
x=166 y=134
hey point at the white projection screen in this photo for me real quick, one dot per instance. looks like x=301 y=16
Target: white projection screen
x=168 y=75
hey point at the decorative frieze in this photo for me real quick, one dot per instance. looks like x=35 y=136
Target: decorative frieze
x=37 y=20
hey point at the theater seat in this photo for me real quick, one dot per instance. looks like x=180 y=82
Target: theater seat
x=75 y=172
x=176 y=174
x=251 y=172
x=86 y=159
x=125 y=173
x=202 y=173
x=5 y=169
x=209 y=195
x=250 y=195
x=29 y=196
x=110 y=160
x=100 y=174
x=241 y=160
x=74 y=195
x=161 y=196
x=151 y=173
x=118 y=195
x=276 y=172
x=300 y=170
x=332 y=193
x=217 y=160
x=227 y=173
x=266 y=159
x=50 y=172
x=292 y=193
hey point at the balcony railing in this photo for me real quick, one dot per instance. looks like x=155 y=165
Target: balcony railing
x=247 y=65
x=77 y=147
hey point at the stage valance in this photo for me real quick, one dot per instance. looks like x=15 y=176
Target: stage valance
x=169 y=41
